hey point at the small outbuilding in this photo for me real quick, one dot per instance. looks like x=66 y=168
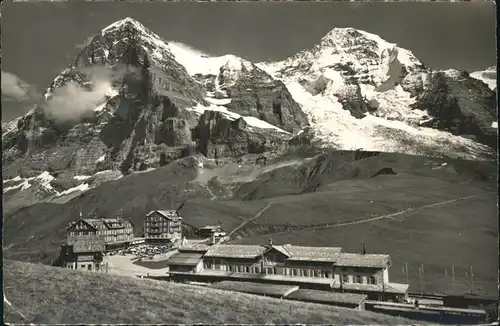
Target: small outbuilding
x=186 y=262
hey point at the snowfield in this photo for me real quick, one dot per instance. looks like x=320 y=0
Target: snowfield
x=198 y=62
x=335 y=126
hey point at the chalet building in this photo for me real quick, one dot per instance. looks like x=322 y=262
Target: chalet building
x=211 y=230
x=163 y=226
x=309 y=267
x=110 y=230
x=84 y=254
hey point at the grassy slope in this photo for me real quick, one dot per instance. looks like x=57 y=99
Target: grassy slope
x=463 y=233
x=453 y=233
x=53 y=295
x=349 y=200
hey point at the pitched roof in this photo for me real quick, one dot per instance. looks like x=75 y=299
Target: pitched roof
x=196 y=247
x=185 y=259
x=360 y=260
x=280 y=249
x=380 y=287
x=86 y=221
x=170 y=214
x=396 y=287
x=318 y=254
x=327 y=296
x=235 y=251
x=109 y=223
x=211 y=227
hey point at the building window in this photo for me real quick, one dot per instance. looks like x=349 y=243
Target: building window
x=345 y=278
x=327 y=274
x=316 y=273
x=275 y=271
x=295 y=272
x=82 y=266
x=372 y=280
x=247 y=269
x=269 y=270
x=359 y=279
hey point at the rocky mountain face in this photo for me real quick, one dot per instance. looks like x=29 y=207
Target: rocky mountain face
x=458 y=104
x=150 y=112
x=131 y=102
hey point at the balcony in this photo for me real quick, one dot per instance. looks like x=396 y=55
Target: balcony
x=155 y=231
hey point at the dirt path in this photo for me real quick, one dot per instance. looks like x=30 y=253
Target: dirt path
x=259 y=213
x=366 y=220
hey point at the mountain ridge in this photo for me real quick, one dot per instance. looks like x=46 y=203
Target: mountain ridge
x=143 y=102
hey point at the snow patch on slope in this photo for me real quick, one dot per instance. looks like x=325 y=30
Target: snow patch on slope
x=488 y=76
x=82 y=187
x=43 y=180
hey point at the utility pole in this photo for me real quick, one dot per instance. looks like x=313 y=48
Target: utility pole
x=420 y=276
x=471 y=278
x=453 y=274
x=446 y=280
x=423 y=277
x=406 y=267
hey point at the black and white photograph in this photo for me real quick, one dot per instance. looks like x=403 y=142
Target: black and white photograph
x=249 y=163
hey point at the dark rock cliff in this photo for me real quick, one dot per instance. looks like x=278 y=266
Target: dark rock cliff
x=461 y=105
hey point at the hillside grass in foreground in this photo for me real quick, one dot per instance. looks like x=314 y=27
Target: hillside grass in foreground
x=58 y=296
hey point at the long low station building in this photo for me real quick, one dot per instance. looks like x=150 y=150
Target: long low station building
x=322 y=268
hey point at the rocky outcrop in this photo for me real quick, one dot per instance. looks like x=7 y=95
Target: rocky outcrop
x=221 y=136
x=353 y=101
x=458 y=104
x=254 y=93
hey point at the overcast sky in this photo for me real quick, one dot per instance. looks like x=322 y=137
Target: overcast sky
x=40 y=39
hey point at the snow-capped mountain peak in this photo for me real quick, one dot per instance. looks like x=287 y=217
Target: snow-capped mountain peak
x=124 y=22
x=361 y=56
x=125 y=28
